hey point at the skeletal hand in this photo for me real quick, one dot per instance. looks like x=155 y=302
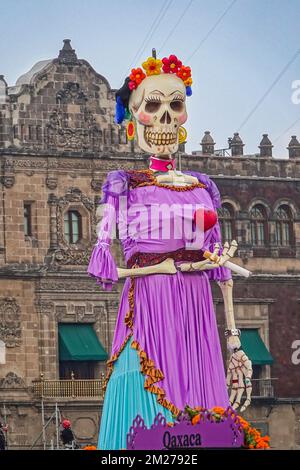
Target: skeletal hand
x=239 y=375
x=214 y=261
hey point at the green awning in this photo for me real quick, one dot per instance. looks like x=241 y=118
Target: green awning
x=79 y=343
x=255 y=348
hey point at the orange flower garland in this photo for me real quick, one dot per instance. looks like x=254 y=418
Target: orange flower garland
x=252 y=437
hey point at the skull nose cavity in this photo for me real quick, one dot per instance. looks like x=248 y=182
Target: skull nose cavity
x=166 y=118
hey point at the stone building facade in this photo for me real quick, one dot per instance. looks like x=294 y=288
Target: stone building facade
x=58 y=140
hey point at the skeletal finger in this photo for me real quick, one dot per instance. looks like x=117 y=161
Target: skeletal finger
x=234 y=387
x=240 y=390
x=216 y=249
x=225 y=248
x=228 y=376
x=248 y=393
x=232 y=249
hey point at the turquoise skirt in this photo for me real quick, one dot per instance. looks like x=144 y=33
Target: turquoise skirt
x=125 y=398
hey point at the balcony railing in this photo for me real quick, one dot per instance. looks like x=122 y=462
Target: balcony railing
x=263 y=388
x=74 y=388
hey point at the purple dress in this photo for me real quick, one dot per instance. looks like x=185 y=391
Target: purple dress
x=167 y=320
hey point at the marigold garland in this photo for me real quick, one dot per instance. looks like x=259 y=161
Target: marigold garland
x=252 y=437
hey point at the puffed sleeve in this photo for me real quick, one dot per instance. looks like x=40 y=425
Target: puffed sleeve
x=214 y=234
x=102 y=265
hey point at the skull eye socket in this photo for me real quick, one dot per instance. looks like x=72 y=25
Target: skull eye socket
x=177 y=105
x=152 y=106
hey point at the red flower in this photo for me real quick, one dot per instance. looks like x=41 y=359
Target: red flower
x=171 y=64
x=184 y=73
x=137 y=76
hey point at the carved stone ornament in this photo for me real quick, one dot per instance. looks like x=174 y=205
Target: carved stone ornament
x=96 y=184
x=64 y=137
x=71 y=93
x=12 y=380
x=8 y=181
x=51 y=182
x=69 y=254
x=8 y=178
x=72 y=256
x=10 y=322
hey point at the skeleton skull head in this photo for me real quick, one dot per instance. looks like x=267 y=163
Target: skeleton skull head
x=159 y=109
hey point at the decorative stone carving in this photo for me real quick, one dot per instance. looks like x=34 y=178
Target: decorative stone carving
x=80 y=312
x=11 y=380
x=72 y=256
x=10 y=322
x=60 y=312
x=96 y=184
x=8 y=178
x=64 y=253
x=61 y=136
x=51 y=182
x=67 y=55
x=71 y=93
x=45 y=307
x=8 y=181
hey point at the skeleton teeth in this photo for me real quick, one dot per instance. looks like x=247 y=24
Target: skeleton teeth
x=160 y=138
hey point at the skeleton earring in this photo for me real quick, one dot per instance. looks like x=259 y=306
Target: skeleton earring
x=182 y=134
x=130 y=130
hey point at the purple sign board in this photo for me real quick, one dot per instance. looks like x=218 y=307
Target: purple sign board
x=184 y=435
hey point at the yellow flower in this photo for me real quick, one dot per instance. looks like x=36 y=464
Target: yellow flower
x=152 y=66
x=188 y=81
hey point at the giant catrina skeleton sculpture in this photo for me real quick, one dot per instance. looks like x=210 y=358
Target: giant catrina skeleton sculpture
x=166 y=351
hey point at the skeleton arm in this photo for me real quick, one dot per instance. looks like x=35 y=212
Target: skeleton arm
x=240 y=367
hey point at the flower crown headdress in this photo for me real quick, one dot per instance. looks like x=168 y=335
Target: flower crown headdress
x=152 y=66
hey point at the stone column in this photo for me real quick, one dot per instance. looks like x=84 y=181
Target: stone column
x=52 y=201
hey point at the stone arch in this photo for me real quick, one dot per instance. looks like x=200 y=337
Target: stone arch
x=260 y=201
x=286 y=202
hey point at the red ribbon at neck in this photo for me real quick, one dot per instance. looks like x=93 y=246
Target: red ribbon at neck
x=161 y=165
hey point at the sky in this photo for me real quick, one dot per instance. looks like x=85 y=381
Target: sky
x=244 y=55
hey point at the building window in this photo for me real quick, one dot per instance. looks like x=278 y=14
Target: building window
x=80 y=369
x=80 y=351
x=226 y=219
x=73 y=226
x=283 y=226
x=39 y=133
x=258 y=225
x=27 y=220
x=30 y=132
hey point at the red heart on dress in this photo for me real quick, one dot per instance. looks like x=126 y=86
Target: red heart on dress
x=205 y=218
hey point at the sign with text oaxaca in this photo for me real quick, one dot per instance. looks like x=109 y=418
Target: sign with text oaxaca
x=183 y=434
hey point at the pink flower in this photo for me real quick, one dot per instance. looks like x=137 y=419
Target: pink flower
x=131 y=85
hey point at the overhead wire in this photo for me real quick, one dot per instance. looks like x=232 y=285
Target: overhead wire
x=212 y=29
x=186 y=8
x=269 y=89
